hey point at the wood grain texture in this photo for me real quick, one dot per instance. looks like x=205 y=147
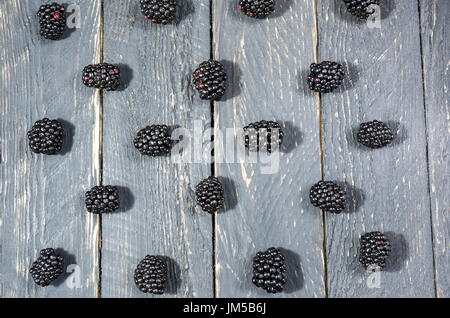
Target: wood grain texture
x=41 y=203
x=266 y=60
x=387 y=188
x=159 y=215
x=435 y=17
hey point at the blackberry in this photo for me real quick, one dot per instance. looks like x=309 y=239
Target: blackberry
x=46 y=136
x=159 y=11
x=102 y=199
x=153 y=140
x=47 y=267
x=209 y=194
x=325 y=77
x=257 y=8
x=328 y=196
x=150 y=275
x=269 y=270
x=374 y=249
x=52 y=20
x=210 y=80
x=258 y=136
x=375 y=134
x=361 y=8
x=103 y=76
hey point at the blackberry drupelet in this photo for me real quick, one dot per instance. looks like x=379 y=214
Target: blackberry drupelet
x=265 y=136
x=209 y=194
x=374 y=249
x=150 y=275
x=210 y=80
x=159 y=11
x=102 y=76
x=257 y=8
x=52 y=20
x=102 y=199
x=47 y=267
x=269 y=270
x=328 y=196
x=153 y=140
x=361 y=8
x=375 y=134
x=46 y=136
x=325 y=77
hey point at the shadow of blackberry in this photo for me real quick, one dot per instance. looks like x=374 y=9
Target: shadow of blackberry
x=292 y=137
x=126 y=76
x=302 y=83
x=281 y=7
x=387 y=7
x=399 y=132
x=185 y=8
x=230 y=193
x=126 y=198
x=354 y=197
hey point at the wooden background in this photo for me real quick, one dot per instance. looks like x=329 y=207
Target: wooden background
x=398 y=73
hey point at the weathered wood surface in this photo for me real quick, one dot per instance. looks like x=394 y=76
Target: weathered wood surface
x=266 y=61
x=388 y=188
x=159 y=216
x=42 y=196
x=435 y=16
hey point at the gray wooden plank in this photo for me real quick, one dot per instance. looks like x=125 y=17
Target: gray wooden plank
x=160 y=216
x=266 y=60
x=42 y=196
x=388 y=188
x=435 y=17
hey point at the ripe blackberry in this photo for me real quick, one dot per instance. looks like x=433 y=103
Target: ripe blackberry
x=103 y=76
x=159 y=11
x=258 y=136
x=47 y=267
x=361 y=8
x=328 y=196
x=374 y=249
x=102 y=199
x=325 y=77
x=46 y=136
x=52 y=20
x=269 y=270
x=210 y=80
x=257 y=8
x=153 y=140
x=209 y=194
x=375 y=134
x=150 y=275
